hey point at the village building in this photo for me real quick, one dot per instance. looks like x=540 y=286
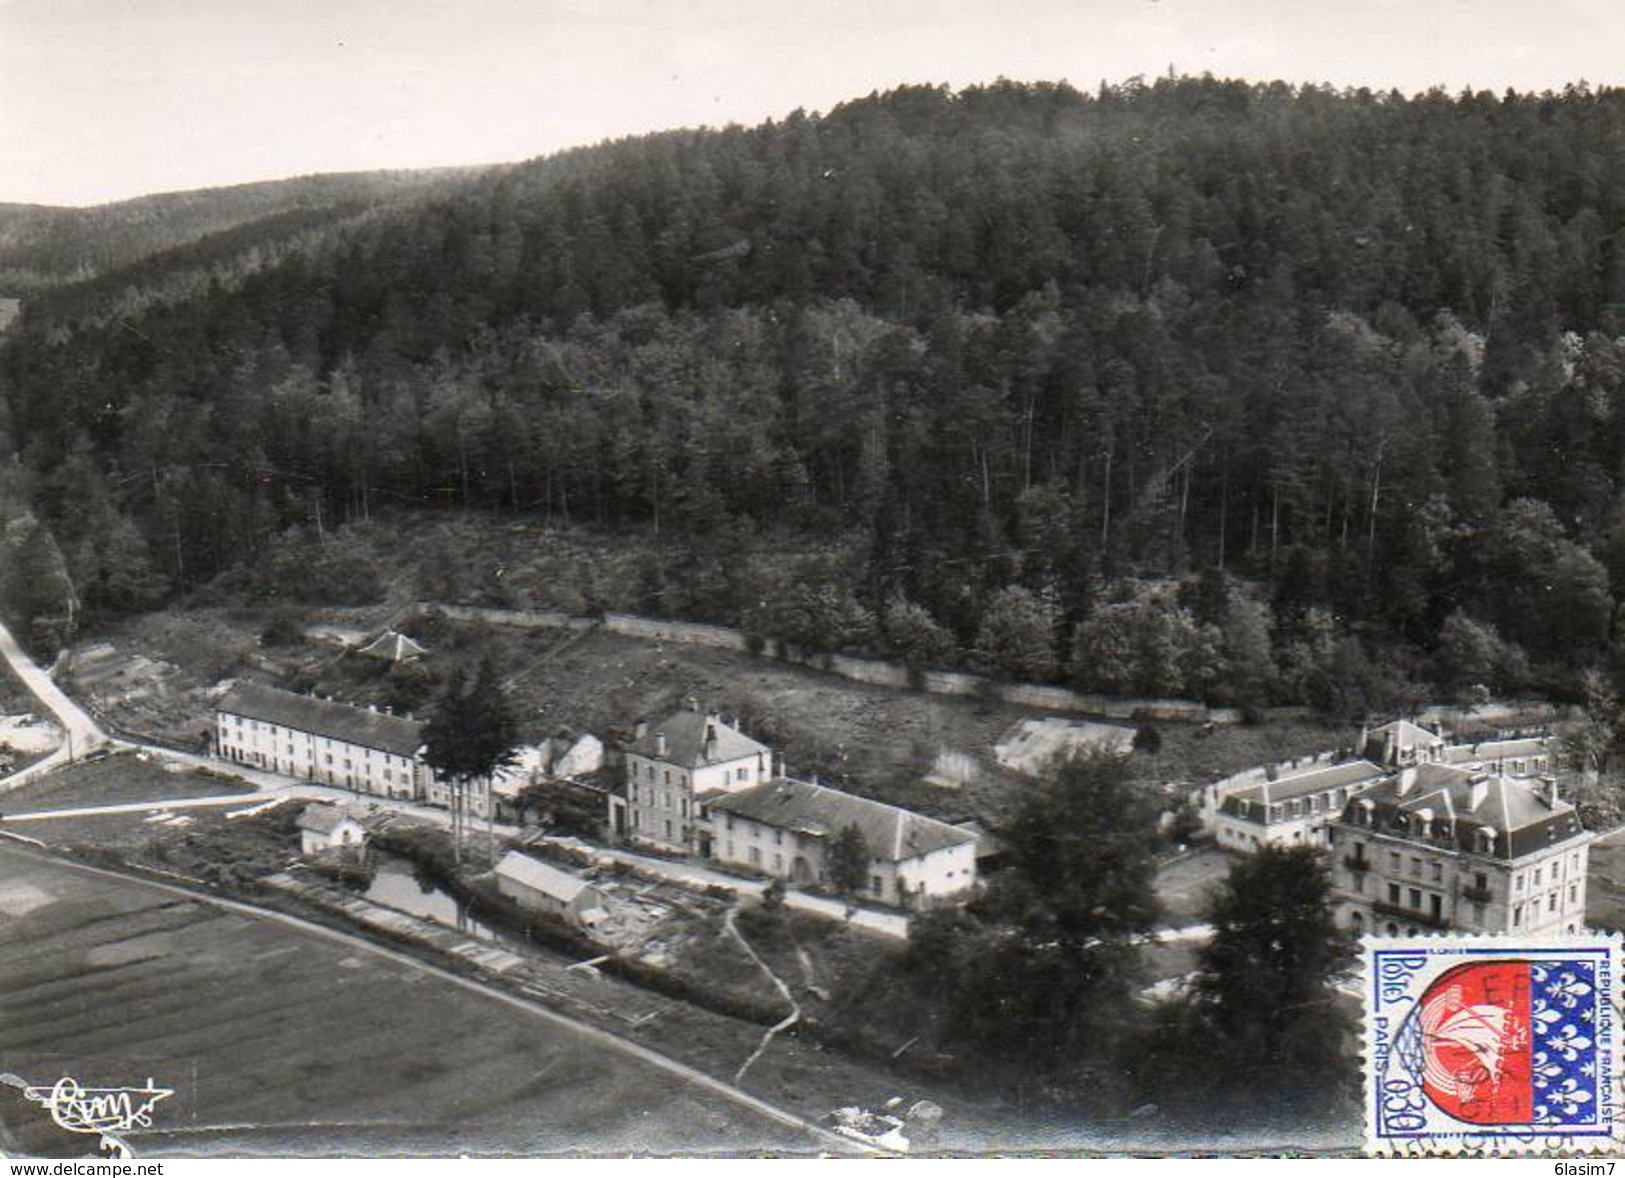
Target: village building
x=1530 y=756
x=673 y=768
x=542 y=887
x=393 y=647
x=1442 y=847
x=787 y=828
x=1402 y=743
x=1292 y=810
x=559 y=759
x=327 y=829
x=318 y=740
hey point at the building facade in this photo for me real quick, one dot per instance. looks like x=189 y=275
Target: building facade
x=1440 y=847
x=542 y=887
x=322 y=741
x=787 y=828
x=672 y=768
x=1293 y=810
x=326 y=829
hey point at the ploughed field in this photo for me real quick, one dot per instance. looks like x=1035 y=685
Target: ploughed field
x=280 y=1041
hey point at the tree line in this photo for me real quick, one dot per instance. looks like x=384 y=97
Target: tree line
x=1253 y=392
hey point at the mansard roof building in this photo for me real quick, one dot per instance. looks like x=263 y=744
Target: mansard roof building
x=1440 y=846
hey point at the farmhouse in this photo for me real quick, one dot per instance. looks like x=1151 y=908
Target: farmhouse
x=318 y=740
x=1441 y=847
x=786 y=828
x=541 y=887
x=324 y=829
x=1293 y=810
x=673 y=768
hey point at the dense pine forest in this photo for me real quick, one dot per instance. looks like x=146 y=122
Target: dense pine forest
x=1253 y=393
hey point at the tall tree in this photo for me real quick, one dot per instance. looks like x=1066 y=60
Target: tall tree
x=471 y=735
x=1263 y=1028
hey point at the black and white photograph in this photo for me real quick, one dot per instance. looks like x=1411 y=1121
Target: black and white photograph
x=845 y=579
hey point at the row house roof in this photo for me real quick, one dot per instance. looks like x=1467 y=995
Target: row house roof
x=1301 y=785
x=893 y=833
x=324 y=717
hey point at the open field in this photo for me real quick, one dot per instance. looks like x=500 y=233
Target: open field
x=122 y=777
x=281 y=1041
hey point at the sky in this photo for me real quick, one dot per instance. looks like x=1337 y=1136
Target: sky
x=102 y=100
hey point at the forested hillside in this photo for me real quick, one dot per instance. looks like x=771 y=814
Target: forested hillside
x=43 y=246
x=1248 y=392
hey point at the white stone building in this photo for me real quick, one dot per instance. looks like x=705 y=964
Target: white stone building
x=786 y=828
x=324 y=829
x=319 y=740
x=1439 y=847
x=672 y=768
x=1292 y=810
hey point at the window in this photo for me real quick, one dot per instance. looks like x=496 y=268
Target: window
x=1416 y=866
x=877 y=885
x=668 y=830
x=778 y=863
x=665 y=776
x=1551 y=902
x=1393 y=861
x=730 y=824
x=1574 y=893
x=1481 y=881
x=1436 y=906
x=778 y=838
x=1537 y=877
x=743 y=773
x=756 y=856
x=1478 y=914
x=1393 y=894
x=1517 y=916
x=1416 y=898
x=1436 y=871
x=1517 y=883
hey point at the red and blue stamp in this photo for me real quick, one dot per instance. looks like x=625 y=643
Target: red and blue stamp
x=1490 y=1044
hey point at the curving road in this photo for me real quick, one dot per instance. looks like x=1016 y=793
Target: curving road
x=81 y=733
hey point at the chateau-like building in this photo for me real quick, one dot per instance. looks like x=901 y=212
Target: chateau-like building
x=1443 y=847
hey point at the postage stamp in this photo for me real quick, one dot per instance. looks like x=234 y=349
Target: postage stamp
x=1491 y=1044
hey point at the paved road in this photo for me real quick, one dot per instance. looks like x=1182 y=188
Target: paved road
x=82 y=734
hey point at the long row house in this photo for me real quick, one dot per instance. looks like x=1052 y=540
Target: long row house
x=1427 y=835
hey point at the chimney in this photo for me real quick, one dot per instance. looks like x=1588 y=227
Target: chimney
x=781 y=769
x=1407 y=779
x=660 y=744
x=640 y=730
x=693 y=703
x=710 y=740
x=1551 y=790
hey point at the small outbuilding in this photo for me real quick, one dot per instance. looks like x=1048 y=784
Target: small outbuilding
x=541 y=887
x=324 y=828
x=393 y=647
